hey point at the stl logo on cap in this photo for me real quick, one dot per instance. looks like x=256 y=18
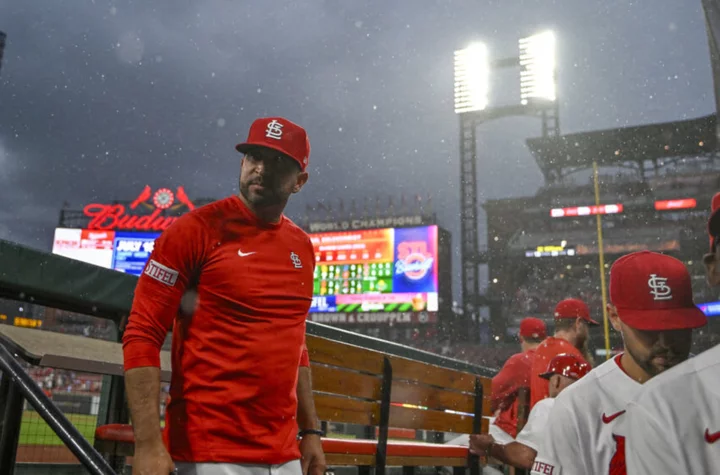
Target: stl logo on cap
x=274 y=130
x=653 y=291
x=659 y=288
x=279 y=134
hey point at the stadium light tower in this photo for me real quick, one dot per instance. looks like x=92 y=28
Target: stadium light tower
x=472 y=78
x=473 y=104
x=537 y=68
x=3 y=37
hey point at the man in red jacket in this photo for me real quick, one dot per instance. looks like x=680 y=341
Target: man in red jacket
x=572 y=328
x=514 y=375
x=234 y=281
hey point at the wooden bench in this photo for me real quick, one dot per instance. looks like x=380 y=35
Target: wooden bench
x=355 y=385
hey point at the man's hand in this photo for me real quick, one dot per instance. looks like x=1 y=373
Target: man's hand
x=152 y=459
x=313 y=457
x=479 y=443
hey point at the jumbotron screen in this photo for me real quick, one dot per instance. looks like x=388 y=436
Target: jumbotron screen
x=119 y=250
x=376 y=270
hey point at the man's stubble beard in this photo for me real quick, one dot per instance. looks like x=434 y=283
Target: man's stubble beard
x=647 y=364
x=269 y=199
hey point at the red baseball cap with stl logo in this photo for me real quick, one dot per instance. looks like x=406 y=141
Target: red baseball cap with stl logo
x=281 y=135
x=573 y=308
x=652 y=291
x=532 y=327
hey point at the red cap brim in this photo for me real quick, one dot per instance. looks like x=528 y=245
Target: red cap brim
x=247 y=147
x=663 y=319
x=546 y=375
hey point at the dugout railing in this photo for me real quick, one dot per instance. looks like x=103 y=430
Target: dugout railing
x=16 y=387
x=40 y=278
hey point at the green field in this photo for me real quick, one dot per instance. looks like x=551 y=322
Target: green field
x=35 y=431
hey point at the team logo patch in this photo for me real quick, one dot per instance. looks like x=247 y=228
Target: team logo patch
x=274 y=130
x=161 y=273
x=659 y=288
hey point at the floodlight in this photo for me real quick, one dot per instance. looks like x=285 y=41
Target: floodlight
x=472 y=78
x=537 y=67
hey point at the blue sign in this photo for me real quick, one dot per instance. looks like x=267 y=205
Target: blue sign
x=131 y=251
x=323 y=304
x=710 y=309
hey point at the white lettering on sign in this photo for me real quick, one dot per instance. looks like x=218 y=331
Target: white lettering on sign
x=161 y=273
x=392 y=222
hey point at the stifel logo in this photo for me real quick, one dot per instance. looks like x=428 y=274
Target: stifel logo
x=117 y=216
x=542 y=467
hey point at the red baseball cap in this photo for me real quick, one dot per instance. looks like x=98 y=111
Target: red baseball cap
x=713 y=225
x=532 y=327
x=567 y=365
x=278 y=134
x=653 y=291
x=573 y=308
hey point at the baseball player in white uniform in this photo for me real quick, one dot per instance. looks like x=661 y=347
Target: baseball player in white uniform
x=563 y=370
x=674 y=422
x=653 y=309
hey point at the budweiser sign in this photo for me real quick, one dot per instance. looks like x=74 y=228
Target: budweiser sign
x=143 y=214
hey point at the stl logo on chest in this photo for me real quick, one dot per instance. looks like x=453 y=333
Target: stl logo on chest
x=296 y=260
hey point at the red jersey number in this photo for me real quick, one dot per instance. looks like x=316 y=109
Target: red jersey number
x=617 y=463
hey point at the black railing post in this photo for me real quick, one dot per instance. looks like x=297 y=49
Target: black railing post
x=384 y=423
x=71 y=437
x=12 y=418
x=474 y=460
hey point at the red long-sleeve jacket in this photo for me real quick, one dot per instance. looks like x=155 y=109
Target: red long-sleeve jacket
x=235 y=357
x=515 y=374
x=546 y=351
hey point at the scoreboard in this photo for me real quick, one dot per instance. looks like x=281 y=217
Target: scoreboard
x=376 y=270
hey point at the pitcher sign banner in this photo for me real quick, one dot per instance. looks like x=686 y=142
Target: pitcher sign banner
x=145 y=213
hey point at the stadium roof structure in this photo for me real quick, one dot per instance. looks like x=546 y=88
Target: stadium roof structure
x=561 y=155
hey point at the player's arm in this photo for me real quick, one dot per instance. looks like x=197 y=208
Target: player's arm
x=516 y=454
x=176 y=255
x=505 y=383
x=649 y=446
x=522 y=452
x=559 y=452
x=307 y=416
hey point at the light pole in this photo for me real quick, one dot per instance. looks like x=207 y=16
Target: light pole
x=3 y=37
x=473 y=67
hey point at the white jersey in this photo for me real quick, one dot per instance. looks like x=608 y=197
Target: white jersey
x=674 y=422
x=585 y=434
x=534 y=430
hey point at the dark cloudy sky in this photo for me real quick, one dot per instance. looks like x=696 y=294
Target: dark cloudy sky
x=99 y=98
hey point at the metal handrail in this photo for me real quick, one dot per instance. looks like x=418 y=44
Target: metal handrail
x=71 y=437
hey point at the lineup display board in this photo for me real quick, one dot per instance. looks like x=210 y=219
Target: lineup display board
x=132 y=250
x=376 y=270
x=119 y=250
